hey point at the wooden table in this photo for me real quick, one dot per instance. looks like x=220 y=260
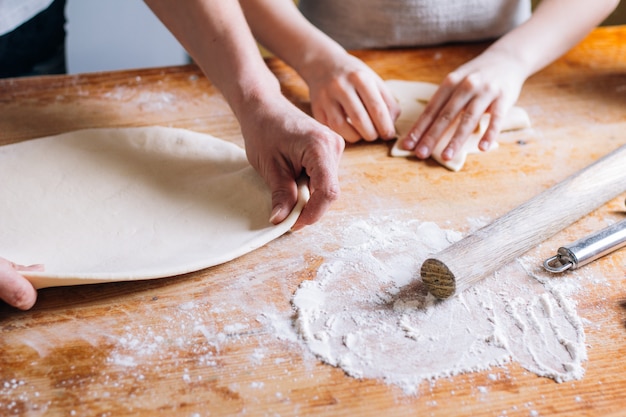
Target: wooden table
x=208 y=344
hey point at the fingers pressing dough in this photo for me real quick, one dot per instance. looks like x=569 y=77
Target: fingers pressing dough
x=412 y=96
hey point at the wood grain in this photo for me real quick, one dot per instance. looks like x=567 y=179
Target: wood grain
x=478 y=255
x=215 y=342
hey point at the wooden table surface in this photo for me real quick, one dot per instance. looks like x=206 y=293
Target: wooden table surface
x=210 y=343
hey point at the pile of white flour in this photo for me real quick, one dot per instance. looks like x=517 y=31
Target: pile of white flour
x=367 y=311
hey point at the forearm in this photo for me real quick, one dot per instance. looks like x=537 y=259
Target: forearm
x=281 y=141
x=280 y=27
x=216 y=35
x=555 y=27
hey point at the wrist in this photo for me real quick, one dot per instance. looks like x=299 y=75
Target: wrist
x=248 y=93
x=318 y=58
x=516 y=58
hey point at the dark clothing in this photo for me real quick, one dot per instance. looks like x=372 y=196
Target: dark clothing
x=37 y=47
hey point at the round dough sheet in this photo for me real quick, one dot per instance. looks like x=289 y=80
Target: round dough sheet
x=130 y=203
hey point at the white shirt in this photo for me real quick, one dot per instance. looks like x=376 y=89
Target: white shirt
x=360 y=24
x=15 y=12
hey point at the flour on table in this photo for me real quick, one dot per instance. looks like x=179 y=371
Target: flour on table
x=367 y=312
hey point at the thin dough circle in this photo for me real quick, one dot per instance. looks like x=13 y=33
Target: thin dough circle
x=126 y=204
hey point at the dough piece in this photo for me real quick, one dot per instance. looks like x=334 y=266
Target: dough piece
x=129 y=204
x=412 y=96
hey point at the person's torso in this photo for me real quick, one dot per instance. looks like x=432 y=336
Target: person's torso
x=359 y=24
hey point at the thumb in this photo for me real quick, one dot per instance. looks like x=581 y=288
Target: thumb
x=284 y=198
x=14 y=288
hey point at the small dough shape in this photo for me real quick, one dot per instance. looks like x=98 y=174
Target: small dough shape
x=127 y=204
x=412 y=97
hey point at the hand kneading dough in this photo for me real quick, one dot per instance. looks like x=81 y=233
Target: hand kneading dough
x=412 y=97
x=131 y=203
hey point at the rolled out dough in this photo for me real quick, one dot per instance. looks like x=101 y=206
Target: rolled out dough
x=129 y=204
x=412 y=96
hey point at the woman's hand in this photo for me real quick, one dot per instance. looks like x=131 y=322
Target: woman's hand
x=282 y=143
x=350 y=98
x=491 y=83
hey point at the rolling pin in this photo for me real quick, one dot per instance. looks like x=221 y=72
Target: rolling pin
x=472 y=258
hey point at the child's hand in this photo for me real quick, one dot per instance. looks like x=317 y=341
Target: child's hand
x=351 y=99
x=490 y=83
x=14 y=288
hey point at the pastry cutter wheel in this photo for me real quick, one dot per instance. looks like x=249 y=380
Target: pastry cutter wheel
x=588 y=249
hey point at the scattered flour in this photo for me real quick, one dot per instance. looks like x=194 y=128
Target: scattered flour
x=367 y=312
x=364 y=310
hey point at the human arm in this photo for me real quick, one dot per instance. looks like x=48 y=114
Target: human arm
x=346 y=94
x=491 y=83
x=14 y=288
x=281 y=141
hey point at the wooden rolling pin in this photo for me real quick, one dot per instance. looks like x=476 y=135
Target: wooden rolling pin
x=474 y=257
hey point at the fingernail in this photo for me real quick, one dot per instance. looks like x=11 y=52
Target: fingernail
x=275 y=214
x=25 y=305
x=422 y=151
x=484 y=145
x=25 y=301
x=447 y=154
x=409 y=142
